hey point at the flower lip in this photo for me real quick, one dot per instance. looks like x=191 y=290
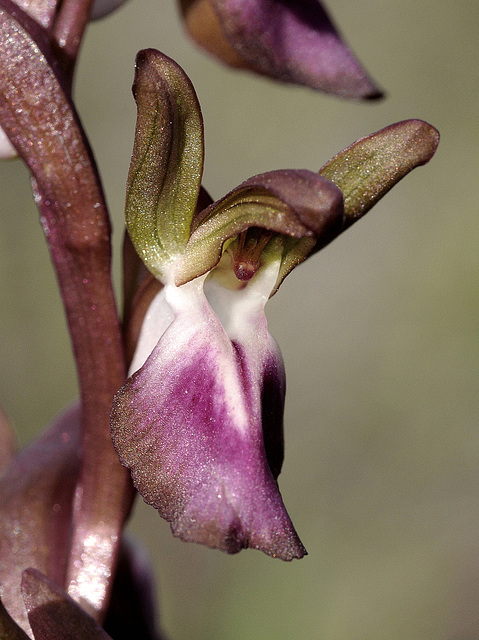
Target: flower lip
x=189 y=422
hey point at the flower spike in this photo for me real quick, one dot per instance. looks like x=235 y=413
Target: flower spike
x=39 y=117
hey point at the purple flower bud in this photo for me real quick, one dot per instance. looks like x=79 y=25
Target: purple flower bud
x=288 y=40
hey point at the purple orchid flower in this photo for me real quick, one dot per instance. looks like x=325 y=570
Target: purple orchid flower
x=288 y=40
x=199 y=421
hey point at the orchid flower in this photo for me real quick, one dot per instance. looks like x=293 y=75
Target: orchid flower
x=288 y=40
x=199 y=420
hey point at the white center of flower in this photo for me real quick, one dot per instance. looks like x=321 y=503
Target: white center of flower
x=240 y=310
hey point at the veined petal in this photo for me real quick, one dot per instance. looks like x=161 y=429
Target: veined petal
x=189 y=423
x=366 y=170
x=167 y=162
x=289 y=40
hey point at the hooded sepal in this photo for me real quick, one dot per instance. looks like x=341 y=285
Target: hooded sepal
x=364 y=172
x=292 y=208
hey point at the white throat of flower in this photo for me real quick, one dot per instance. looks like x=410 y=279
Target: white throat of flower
x=237 y=308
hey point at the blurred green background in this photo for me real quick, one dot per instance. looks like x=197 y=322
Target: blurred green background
x=379 y=333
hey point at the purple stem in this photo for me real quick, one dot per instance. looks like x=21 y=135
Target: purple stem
x=41 y=122
x=104 y=494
